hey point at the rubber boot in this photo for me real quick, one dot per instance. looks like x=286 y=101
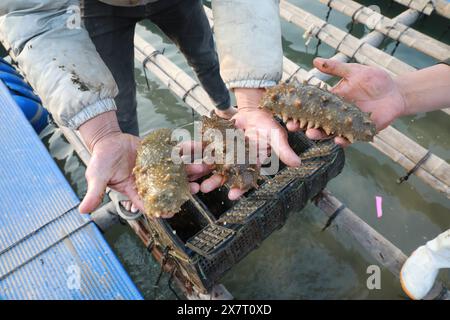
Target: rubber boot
x=421 y=269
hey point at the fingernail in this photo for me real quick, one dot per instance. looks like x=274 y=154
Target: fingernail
x=134 y=209
x=322 y=62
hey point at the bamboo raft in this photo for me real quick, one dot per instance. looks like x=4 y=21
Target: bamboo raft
x=391 y=28
x=401 y=149
x=441 y=7
x=435 y=172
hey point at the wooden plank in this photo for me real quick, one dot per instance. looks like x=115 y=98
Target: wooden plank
x=393 y=29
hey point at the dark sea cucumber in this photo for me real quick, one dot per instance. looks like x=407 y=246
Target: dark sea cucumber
x=238 y=175
x=314 y=107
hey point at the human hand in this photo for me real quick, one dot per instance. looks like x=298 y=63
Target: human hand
x=226 y=114
x=259 y=125
x=112 y=160
x=371 y=89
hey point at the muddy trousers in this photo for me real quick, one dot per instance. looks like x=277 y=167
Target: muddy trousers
x=112 y=28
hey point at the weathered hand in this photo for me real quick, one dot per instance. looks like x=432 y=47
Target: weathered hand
x=226 y=114
x=259 y=125
x=371 y=89
x=111 y=164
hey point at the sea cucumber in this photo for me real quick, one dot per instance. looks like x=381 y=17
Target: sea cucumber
x=314 y=107
x=238 y=175
x=161 y=183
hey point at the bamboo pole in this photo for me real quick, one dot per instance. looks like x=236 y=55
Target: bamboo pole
x=441 y=7
x=336 y=38
x=370 y=240
x=435 y=172
x=382 y=250
x=173 y=77
x=363 y=50
x=391 y=28
x=425 y=6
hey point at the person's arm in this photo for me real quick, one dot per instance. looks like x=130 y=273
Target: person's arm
x=58 y=58
x=425 y=90
x=248 y=38
x=63 y=66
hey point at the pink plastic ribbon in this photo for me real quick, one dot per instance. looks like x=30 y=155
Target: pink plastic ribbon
x=378 y=202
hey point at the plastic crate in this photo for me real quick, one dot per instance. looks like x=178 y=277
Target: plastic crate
x=205 y=243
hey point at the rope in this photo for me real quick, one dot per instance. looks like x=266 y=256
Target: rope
x=189 y=91
x=169 y=283
x=343 y=39
x=425 y=6
x=421 y=19
x=161 y=271
x=186 y=94
x=329 y=10
x=352 y=25
x=414 y=169
x=333 y=217
x=398 y=38
x=313 y=31
x=146 y=60
x=327 y=17
x=292 y=75
x=357 y=49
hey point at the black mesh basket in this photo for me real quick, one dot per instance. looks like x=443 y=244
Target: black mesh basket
x=212 y=233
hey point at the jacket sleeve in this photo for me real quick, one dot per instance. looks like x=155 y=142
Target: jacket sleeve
x=58 y=58
x=248 y=37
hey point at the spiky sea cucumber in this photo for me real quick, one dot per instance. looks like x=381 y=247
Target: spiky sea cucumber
x=314 y=107
x=238 y=175
x=161 y=183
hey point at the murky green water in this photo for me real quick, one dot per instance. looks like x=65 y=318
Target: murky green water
x=299 y=261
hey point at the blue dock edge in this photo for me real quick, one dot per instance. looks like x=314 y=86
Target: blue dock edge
x=48 y=250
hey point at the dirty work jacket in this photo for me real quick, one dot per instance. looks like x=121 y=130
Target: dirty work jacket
x=61 y=63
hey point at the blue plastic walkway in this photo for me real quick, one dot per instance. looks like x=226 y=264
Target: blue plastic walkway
x=47 y=249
